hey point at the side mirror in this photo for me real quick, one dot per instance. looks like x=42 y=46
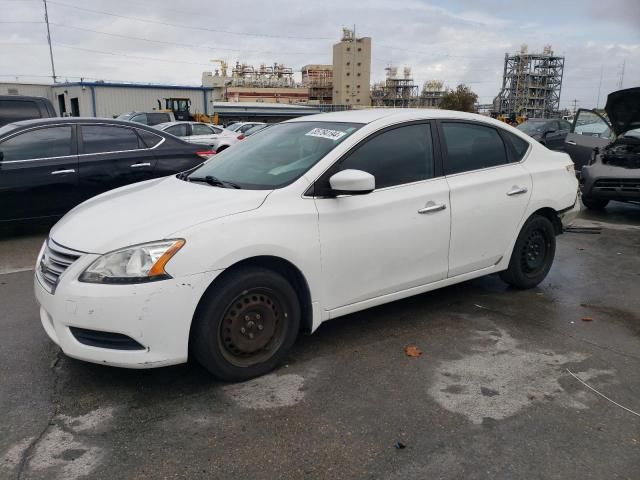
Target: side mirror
x=352 y=182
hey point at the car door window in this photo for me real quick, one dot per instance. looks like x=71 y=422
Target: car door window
x=564 y=125
x=516 y=146
x=140 y=118
x=200 y=129
x=157 y=118
x=591 y=124
x=216 y=130
x=179 y=130
x=471 y=147
x=41 y=143
x=394 y=157
x=150 y=139
x=106 y=138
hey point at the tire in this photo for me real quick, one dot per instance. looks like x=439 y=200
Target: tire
x=532 y=255
x=595 y=203
x=220 y=149
x=245 y=325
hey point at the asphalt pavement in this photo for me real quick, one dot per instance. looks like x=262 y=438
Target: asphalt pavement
x=492 y=396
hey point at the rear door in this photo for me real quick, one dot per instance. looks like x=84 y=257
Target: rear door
x=490 y=191
x=112 y=156
x=589 y=130
x=38 y=173
x=203 y=135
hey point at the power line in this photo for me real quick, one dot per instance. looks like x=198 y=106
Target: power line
x=188 y=27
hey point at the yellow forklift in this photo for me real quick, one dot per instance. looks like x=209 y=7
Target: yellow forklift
x=181 y=111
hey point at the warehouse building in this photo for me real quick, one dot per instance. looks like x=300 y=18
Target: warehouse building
x=104 y=99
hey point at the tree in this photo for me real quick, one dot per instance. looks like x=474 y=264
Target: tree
x=461 y=99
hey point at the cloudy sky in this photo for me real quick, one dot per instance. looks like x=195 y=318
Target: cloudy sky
x=457 y=41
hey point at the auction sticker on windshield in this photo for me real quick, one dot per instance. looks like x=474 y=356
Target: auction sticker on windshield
x=326 y=133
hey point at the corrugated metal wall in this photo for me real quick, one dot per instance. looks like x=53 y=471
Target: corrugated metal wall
x=112 y=101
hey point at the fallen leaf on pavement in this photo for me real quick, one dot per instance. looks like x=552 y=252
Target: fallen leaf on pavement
x=587 y=319
x=412 y=351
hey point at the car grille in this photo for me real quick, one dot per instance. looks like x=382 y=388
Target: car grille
x=55 y=260
x=622 y=185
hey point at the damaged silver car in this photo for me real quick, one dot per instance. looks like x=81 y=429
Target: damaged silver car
x=607 y=153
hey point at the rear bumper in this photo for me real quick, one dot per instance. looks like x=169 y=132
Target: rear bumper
x=568 y=216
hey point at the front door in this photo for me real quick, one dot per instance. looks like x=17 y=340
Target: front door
x=38 y=173
x=589 y=130
x=489 y=195
x=396 y=237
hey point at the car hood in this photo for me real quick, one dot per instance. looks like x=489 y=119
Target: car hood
x=623 y=109
x=148 y=211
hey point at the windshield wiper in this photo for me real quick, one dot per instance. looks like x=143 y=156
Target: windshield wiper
x=213 y=181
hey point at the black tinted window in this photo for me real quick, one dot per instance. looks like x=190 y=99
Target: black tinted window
x=517 y=146
x=157 y=118
x=41 y=143
x=178 y=130
x=149 y=139
x=15 y=110
x=472 y=147
x=140 y=118
x=398 y=156
x=104 y=138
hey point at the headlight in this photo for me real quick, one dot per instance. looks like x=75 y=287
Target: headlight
x=136 y=264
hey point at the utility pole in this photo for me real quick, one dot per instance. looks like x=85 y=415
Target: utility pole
x=575 y=106
x=621 y=82
x=46 y=19
x=599 y=87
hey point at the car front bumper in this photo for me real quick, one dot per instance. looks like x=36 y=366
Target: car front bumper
x=156 y=315
x=610 y=182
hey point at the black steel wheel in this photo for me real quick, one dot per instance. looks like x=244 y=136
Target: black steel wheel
x=245 y=324
x=532 y=255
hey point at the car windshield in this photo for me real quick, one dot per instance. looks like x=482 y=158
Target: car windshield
x=265 y=162
x=530 y=127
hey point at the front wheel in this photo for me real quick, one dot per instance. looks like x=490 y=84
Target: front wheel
x=532 y=255
x=246 y=324
x=595 y=203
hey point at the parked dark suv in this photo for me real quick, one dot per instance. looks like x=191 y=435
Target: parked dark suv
x=49 y=166
x=14 y=108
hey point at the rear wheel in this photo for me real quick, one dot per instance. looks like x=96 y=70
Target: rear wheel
x=246 y=325
x=532 y=255
x=595 y=203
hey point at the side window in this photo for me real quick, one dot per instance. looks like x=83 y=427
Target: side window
x=516 y=146
x=16 y=110
x=591 y=124
x=157 y=118
x=179 y=130
x=140 y=118
x=105 y=138
x=41 y=143
x=471 y=147
x=149 y=139
x=200 y=129
x=398 y=156
x=216 y=130
x=564 y=125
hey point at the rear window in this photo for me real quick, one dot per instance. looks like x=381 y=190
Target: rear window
x=157 y=118
x=16 y=110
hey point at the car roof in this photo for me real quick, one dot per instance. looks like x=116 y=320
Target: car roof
x=72 y=120
x=371 y=115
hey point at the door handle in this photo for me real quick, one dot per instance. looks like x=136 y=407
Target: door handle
x=570 y=142
x=431 y=207
x=137 y=165
x=62 y=172
x=515 y=190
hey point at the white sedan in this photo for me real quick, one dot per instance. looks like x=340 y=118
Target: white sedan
x=213 y=136
x=321 y=217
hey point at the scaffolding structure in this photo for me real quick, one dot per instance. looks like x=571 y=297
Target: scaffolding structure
x=531 y=84
x=431 y=94
x=266 y=76
x=319 y=80
x=395 y=91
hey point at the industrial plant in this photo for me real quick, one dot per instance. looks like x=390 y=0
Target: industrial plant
x=531 y=86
